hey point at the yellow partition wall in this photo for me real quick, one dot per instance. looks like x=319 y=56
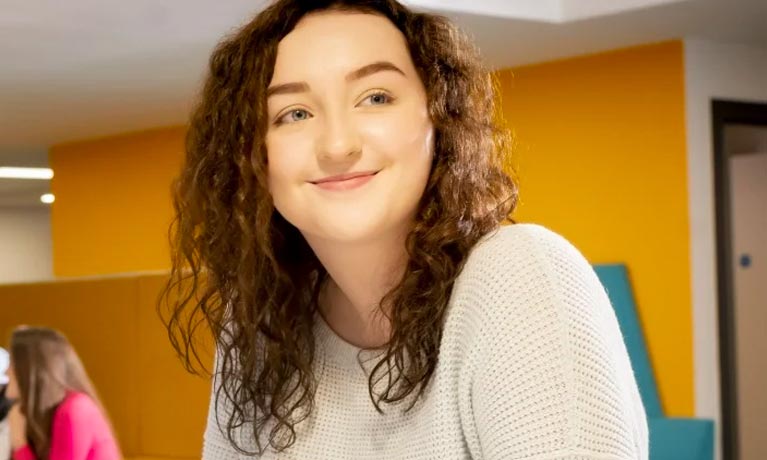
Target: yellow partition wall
x=174 y=404
x=112 y=207
x=600 y=150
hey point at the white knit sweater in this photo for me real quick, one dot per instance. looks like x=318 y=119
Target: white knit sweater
x=532 y=366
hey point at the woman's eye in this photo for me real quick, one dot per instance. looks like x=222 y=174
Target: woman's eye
x=377 y=99
x=294 y=116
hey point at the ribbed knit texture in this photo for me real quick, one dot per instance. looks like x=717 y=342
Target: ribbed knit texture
x=532 y=366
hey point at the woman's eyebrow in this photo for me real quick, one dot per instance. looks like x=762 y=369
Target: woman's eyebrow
x=380 y=66
x=362 y=72
x=288 y=88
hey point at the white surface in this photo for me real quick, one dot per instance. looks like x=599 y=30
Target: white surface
x=554 y=11
x=748 y=185
x=5 y=361
x=86 y=68
x=25 y=245
x=532 y=10
x=720 y=71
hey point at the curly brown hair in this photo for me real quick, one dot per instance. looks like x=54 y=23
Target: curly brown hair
x=246 y=274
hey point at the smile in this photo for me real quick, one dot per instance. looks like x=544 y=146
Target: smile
x=345 y=181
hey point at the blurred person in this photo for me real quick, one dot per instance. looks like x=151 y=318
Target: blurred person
x=340 y=228
x=58 y=415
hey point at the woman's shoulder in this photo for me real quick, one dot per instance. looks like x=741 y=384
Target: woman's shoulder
x=76 y=402
x=518 y=252
x=520 y=237
x=521 y=269
x=80 y=412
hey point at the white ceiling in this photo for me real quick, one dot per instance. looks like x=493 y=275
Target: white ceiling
x=85 y=68
x=554 y=11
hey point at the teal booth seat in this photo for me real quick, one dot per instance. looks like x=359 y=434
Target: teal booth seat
x=670 y=438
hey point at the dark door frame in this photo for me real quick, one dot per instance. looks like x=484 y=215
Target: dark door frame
x=725 y=113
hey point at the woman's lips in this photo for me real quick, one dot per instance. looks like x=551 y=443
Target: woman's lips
x=345 y=181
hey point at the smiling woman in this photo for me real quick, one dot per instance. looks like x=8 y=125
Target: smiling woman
x=339 y=230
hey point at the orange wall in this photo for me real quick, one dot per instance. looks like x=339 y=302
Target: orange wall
x=113 y=207
x=600 y=151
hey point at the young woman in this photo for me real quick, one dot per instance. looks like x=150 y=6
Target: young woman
x=58 y=415
x=339 y=231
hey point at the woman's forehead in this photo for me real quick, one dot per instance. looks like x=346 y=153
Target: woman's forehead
x=338 y=42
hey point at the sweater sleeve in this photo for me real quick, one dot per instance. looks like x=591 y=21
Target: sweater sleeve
x=552 y=378
x=24 y=453
x=70 y=436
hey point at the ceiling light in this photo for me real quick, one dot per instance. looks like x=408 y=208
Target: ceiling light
x=48 y=198
x=7 y=172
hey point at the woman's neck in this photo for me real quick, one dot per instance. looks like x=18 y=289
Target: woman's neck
x=360 y=275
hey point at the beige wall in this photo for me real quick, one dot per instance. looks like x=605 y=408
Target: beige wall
x=748 y=179
x=25 y=245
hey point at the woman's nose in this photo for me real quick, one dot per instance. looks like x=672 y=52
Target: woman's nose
x=339 y=138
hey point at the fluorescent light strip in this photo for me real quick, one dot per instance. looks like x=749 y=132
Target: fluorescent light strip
x=7 y=172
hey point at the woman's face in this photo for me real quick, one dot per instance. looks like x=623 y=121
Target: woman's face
x=350 y=141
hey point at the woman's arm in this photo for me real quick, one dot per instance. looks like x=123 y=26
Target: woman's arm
x=24 y=453
x=552 y=379
x=72 y=431
x=67 y=441
x=17 y=424
x=71 y=436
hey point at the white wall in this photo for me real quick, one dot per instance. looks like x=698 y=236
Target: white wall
x=712 y=71
x=25 y=245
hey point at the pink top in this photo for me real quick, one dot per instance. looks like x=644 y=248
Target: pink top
x=79 y=432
